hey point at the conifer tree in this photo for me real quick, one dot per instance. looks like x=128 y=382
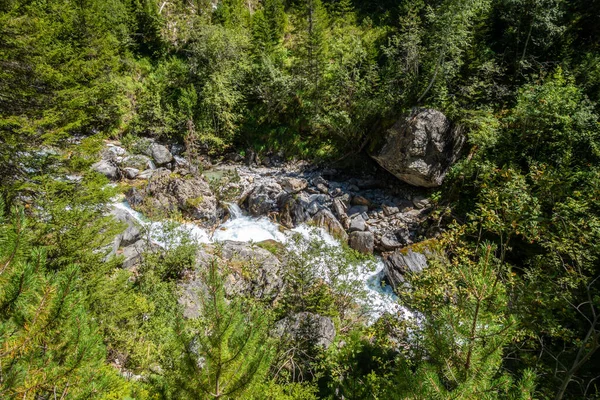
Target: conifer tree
x=49 y=346
x=226 y=350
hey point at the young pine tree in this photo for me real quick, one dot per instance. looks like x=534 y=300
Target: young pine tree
x=49 y=346
x=226 y=350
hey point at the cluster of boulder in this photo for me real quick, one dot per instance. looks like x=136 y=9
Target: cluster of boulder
x=372 y=213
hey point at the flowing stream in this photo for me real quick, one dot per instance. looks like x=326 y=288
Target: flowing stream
x=242 y=228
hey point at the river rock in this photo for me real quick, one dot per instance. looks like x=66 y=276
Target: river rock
x=132 y=254
x=160 y=154
x=130 y=173
x=293 y=185
x=256 y=271
x=252 y=270
x=390 y=210
x=420 y=148
x=113 y=153
x=363 y=242
x=137 y=161
x=263 y=199
x=360 y=201
x=339 y=208
x=106 y=168
x=291 y=211
x=357 y=210
x=357 y=223
x=396 y=239
x=325 y=219
x=191 y=195
x=421 y=202
x=401 y=262
x=305 y=327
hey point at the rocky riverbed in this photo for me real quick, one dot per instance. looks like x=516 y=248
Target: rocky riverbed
x=373 y=213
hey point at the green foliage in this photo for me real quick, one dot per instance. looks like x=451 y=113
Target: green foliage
x=225 y=351
x=50 y=343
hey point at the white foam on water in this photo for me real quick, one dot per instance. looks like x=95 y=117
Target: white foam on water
x=163 y=233
x=248 y=229
x=241 y=228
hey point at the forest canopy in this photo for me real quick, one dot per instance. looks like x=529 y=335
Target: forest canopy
x=510 y=305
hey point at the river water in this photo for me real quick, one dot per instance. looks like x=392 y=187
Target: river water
x=380 y=298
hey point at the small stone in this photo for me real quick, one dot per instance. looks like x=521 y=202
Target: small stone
x=322 y=188
x=360 y=201
x=161 y=154
x=130 y=173
x=147 y=174
x=106 y=168
x=293 y=185
x=357 y=210
x=388 y=210
x=421 y=202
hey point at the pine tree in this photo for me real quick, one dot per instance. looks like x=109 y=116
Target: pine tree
x=49 y=346
x=226 y=350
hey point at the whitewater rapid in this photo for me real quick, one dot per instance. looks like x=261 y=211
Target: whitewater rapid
x=242 y=228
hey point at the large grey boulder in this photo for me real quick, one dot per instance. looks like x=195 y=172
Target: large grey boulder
x=420 y=148
x=402 y=262
x=256 y=271
x=167 y=192
x=106 y=168
x=132 y=254
x=252 y=271
x=307 y=328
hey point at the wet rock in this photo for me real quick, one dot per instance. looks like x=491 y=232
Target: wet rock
x=420 y=148
x=291 y=211
x=304 y=327
x=107 y=169
x=325 y=219
x=363 y=242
